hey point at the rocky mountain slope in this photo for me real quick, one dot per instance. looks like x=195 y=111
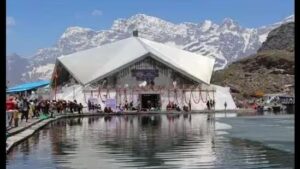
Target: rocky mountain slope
x=280 y=39
x=15 y=67
x=268 y=71
x=227 y=41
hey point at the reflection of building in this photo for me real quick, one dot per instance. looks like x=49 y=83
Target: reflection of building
x=153 y=140
x=142 y=71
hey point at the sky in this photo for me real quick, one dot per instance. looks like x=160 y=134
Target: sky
x=34 y=24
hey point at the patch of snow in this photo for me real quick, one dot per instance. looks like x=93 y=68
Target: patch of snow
x=263 y=37
x=222 y=126
x=246 y=37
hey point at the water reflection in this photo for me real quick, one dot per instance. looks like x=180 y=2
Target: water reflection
x=259 y=155
x=148 y=121
x=144 y=141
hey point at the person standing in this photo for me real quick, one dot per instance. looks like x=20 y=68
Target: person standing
x=51 y=109
x=126 y=105
x=19 y=105
x=208 y=105
x=211 y=102
x=24 y=109
x=42 y=106
x=131 y=105
x=71 y=106
x=10 y=108
x=75 y=106
x=89 y=105
x=92 y=106
x=106 y=109
x=35 y=108
x=16 y=117
x=31 y=109
x=225 y=105
x=80 y=108
x=109 y=110
x=8 y=116
x=190 y=106
x=58 y=106
x=47 y=108
x=64 y=106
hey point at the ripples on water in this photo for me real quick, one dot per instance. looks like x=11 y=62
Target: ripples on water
x=157 y=141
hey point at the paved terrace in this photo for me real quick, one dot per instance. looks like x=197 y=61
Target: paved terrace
x=26 y=129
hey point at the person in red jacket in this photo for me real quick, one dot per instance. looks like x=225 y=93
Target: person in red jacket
x=10 y=108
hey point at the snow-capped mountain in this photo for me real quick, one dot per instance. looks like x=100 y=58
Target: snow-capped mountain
x=227 y=41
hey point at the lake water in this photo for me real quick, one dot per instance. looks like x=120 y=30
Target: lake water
x=159 y=141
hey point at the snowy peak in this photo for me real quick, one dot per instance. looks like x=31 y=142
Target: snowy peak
x=229 y=24
x=142 y=19
x=75 y=30
x=75 y=39
x=148 y=25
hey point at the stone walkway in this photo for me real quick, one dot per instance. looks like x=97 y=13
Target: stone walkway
x=26 y=129
x=22 y=125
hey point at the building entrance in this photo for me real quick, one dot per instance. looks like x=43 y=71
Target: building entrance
x=150 y=100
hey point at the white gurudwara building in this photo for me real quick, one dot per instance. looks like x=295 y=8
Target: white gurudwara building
x=140 y=71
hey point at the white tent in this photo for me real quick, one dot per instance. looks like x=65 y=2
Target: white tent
x=97 y=63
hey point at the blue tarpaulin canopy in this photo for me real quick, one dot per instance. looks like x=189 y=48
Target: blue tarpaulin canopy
x=28 y=86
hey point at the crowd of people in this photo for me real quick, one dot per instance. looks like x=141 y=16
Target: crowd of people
x=17 y=106
x=174 y=106
x=93 y=107
x=122 y=107
x=97 y=107
x=128 y=106
x=210 y=104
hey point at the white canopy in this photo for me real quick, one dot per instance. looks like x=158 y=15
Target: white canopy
x=97 y=63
